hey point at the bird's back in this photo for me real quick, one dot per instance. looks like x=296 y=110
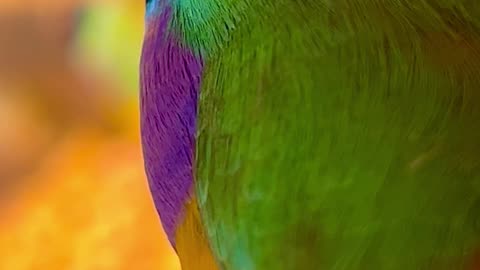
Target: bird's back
x=338 y=135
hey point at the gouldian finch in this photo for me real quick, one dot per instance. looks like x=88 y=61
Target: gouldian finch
x=314 y=134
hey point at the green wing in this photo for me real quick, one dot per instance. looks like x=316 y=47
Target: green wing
x=325 y=147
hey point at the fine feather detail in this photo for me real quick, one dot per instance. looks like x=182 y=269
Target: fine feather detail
x=311 y=117
x=170 y=77
x=336 y=134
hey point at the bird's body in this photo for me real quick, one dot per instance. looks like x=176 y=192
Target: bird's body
x=315 y=134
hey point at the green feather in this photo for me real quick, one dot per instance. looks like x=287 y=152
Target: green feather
x=327 y=139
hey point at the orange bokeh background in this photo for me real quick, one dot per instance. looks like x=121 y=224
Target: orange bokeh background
x=73 y=193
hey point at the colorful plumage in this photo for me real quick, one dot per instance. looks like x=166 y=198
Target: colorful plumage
x=314 y=134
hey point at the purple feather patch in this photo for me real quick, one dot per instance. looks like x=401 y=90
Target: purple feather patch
x=170 y=83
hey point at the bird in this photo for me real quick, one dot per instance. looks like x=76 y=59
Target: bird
x=314 y=134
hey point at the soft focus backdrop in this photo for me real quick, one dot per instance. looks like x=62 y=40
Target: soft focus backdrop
x=73 y=194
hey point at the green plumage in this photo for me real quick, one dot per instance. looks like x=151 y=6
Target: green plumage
x=328 y=138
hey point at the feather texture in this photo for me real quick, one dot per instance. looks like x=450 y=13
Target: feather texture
x=170 y=77
x=337 y=134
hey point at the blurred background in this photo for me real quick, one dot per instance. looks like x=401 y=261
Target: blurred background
x=73 y=194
